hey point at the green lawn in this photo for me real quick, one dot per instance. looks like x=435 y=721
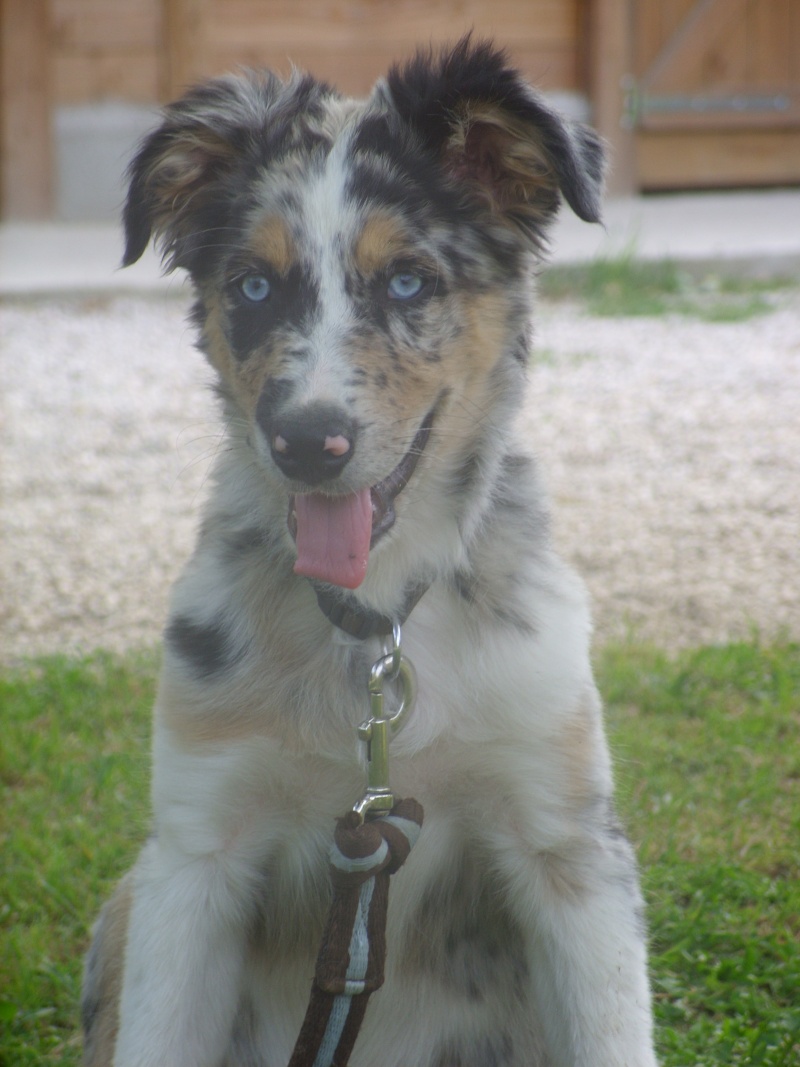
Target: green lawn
x=708 y=765
x=627 y=286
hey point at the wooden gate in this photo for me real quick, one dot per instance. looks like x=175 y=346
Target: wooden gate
x=715 y=95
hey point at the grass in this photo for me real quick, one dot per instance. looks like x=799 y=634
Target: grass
x=625 y=286
x=74 y=778
x=709 y=785
x=709 y=769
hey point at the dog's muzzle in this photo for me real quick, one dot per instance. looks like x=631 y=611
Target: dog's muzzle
x=335 y=532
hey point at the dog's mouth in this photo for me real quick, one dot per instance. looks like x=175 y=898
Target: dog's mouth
x=334 y=533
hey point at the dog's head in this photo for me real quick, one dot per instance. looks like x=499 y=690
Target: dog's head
x=363 y=271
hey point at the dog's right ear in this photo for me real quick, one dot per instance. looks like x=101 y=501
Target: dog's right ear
x=185 y=180
x=172 y=175
x=179 y=180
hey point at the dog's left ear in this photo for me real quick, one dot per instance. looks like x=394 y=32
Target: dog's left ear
x=494 y=133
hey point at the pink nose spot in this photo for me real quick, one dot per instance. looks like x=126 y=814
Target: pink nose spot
x=280 y=444
x=337 y=446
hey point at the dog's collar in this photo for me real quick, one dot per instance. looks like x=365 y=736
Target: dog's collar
x=349 y=615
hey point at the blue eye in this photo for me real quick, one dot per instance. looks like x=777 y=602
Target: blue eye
x=405 y=285
x=255 y=288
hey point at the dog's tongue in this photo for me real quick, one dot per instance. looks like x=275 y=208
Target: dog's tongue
x=333 y=535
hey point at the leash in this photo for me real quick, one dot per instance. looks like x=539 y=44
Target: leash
x=371 y=843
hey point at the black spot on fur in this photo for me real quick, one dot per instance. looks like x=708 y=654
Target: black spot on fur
x=465 y=937
x=516 y=465
x=521 y=350
x=516 y=620
x=375 y=184
x=207 y=647
x=275 y=393
x=466 y=586
x=506 y=496
x=490 y=607
x=380 y=135
x=243 y=543
x=466 y=476
x=392 y=169
x=198 y=316
x=293 y=302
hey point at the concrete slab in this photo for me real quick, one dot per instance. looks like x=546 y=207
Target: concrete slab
x=57 y=257
x=757 y=231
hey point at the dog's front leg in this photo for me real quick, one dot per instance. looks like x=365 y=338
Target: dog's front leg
x=183 y=960
x=582 y=912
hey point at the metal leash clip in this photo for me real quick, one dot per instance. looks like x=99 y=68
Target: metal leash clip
x=378 y=730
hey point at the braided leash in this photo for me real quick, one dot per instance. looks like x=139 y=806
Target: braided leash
x=364 y=855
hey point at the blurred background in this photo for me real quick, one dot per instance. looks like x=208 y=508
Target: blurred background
x=690 y=94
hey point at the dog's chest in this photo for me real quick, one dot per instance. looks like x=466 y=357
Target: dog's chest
x=448 y=925
x=458 y=933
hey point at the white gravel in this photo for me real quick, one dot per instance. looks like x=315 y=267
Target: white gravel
x=671 y=448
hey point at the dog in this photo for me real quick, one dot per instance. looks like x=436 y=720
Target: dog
x=364 y=276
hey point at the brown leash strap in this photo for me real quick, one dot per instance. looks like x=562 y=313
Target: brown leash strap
x=350 y=964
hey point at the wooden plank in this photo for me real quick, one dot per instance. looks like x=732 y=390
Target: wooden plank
x=648 y=32
x=187 y=56
x=681 y=60
x=785 y=113
x=611 y=74
x=295 y=23
x=100 y=25
x=582 y=50
x=133 y=77
x=355 y=71
x=713 y=159
x=352 y=45
x=26 y=150
x=771 y=42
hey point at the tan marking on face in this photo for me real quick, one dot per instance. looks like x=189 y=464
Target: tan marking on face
x=464 y=371
x=245 y=379
x=381 y=242
x=486 y=335
x=217 y=346
x=273 y=243
x=99 y=1050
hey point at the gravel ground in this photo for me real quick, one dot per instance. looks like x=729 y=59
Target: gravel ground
x=671 y=448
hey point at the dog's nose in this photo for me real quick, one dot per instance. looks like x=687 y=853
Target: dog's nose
x=313 y=445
